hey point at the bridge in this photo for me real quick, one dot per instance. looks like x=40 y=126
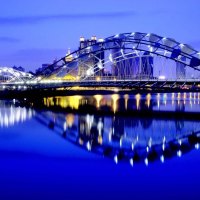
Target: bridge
x=126 y=61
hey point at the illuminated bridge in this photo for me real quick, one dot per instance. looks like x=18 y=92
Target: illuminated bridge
x=124 y=61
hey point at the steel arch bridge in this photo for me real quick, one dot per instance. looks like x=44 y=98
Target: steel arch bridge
x=10 y=75
x=128 y=57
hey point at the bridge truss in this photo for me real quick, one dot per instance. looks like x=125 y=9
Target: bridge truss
x=129 y=56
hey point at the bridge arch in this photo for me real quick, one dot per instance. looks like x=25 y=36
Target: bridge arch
x=11 y=75
x=128 y=55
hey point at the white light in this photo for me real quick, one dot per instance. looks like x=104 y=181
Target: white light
x=197 y=146
x=146 y=161
x=17 y=74
x=164 y=139
x=164 y=38
x=110 y=137
x=120 y=142
x=132 y=34
x=100 y=65
x=147 y=149
x=179 y=153
x=181 y=45
x=131 y=162
x=89 y=72
x=117 y=35
x=110 y=58
x=163 y=146
x=65 y=126
x=150 y=142
x=148 y=34
x=150 y=49
x=116 y=159
x=88 y=146
x=161 y=77
x=122 y=52
x=162 y=159
x=100 y=40
x=132 y=146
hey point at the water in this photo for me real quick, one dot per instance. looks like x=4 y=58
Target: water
x=102 y=146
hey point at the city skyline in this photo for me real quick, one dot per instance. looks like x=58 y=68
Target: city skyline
x=33 y=33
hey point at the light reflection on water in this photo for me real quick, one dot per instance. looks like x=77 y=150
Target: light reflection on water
x=184 y=102
x=119 y=136
x=10 y=114
x=122 y=138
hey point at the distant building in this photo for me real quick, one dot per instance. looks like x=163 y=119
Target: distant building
x=19 y=68
x=90 y=64
x=68 y=57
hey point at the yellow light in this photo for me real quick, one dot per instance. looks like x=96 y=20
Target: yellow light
x=98 y=99
x=100 y=139
x=126 y=97
x=114 y=97
x=148 y=97
x=98 y=78
x=116 y=90
x=80 y=141
x=70 y=120
x=138 y=97
x=64 y=102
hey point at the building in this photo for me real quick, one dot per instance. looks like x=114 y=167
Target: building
x=90 y=64
x=68 y=57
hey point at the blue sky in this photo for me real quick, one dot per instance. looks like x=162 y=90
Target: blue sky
x=37 y=32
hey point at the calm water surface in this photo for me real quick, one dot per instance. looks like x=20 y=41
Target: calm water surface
x=100 y=147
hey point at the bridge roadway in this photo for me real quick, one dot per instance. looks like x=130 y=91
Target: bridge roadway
x=151 y=84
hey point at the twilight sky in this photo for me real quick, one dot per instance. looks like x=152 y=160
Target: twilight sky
x=37 y=32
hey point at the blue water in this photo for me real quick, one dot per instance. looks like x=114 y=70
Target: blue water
x=37 y=162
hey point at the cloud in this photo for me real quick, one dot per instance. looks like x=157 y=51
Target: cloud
x=37 y=19
x=9 y=40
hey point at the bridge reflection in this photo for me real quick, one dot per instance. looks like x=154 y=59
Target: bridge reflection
x=133 y=139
